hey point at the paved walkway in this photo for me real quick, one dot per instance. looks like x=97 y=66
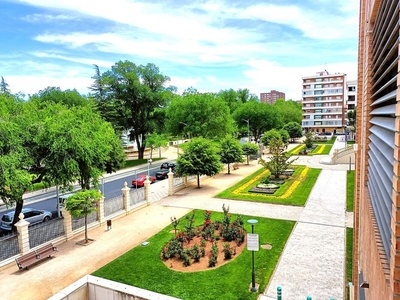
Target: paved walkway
x=312 y=262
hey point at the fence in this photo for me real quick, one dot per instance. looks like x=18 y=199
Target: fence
x=65 y=228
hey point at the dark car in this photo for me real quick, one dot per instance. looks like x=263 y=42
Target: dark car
x=163 y=174
x=167 y=165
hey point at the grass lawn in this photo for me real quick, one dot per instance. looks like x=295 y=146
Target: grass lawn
x=296 y=150
x=142 y=266
x=294 y=191
x=321 y=150
x=350 y=191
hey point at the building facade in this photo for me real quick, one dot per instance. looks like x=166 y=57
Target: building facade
x=351 y=95
x=324 y=102
x=376 y=244
x=271 y=97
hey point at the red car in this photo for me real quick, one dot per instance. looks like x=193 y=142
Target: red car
x=139 y=181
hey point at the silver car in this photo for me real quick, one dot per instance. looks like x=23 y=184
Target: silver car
x=31 y=215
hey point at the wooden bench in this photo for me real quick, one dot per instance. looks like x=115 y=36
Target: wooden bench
x=235 y=166
x=33 y=257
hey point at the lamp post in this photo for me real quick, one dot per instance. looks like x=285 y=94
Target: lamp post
x=248 y=129
x=148 y=167
x=253 y=248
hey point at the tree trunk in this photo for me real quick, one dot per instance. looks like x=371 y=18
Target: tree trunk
x=17 y=211
x=86 y=237
x=198 y=180
x=247 y=159
x=229 y=168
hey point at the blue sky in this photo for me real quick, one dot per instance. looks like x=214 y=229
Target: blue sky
x=209 y=45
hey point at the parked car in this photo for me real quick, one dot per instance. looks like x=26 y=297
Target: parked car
x=140 y=179
x=168 y=165
x=31 y=215
x=163 y=174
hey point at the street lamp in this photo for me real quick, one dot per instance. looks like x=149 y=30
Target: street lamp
x=248 y=129
x=254 y=238
x=148 y=167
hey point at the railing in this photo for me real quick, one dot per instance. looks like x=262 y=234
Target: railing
x=66 y=227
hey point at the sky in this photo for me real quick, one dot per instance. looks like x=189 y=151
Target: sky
x=215 y=45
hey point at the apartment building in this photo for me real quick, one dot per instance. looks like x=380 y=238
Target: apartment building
x=351 y=95
x=271 y=97
x=323 y=101
x=376 y=243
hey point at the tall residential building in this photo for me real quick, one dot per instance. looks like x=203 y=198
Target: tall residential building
x=324 y=102
x=271 y=97
x=376 y=243
x=351 y=94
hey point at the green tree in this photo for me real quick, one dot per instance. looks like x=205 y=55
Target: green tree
x=249 y=149
x=82 y=204
x=54 y=95
x=52 y=144
x=309 y=140
x=4 y=86
x=270 y=135
x=279 y=160
x=136 y=92
x=230 y=152
x=199 y=114
x=200 y=158
x=284 y=136
x=261 y=118
x=294 y=129
x=288 y=111
x=154 y=141
x=351 y=116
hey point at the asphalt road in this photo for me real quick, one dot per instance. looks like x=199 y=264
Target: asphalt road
x=110 y=187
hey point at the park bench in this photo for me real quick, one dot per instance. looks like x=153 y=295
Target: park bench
x=235 y=166
x=33 y=257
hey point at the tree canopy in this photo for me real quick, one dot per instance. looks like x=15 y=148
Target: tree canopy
x=261 y=117
x=82 y=204
x=48 y=142
x=133 y=94
x=230 y=152
x=199 y=114
x=294 y=129
x=200 y=158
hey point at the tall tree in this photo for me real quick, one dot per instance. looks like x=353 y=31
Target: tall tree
x=4 y=86
x=53 y=144
x=230 y=152
x=137 y=92
x=199 y=114
x=200 y=158
x=288 y=111
x=261 y=118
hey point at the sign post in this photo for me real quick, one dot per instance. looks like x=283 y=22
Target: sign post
x=252 y=245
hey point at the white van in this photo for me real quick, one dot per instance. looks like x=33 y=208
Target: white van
x=62 y=198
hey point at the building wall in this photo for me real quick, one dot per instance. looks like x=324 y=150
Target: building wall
x=376 y=245
x=271 y=97
x=324 y=103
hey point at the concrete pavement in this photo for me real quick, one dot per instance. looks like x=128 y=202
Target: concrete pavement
x=312 y=262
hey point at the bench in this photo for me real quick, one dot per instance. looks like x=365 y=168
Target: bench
x=33 y=257
x=235 y=166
